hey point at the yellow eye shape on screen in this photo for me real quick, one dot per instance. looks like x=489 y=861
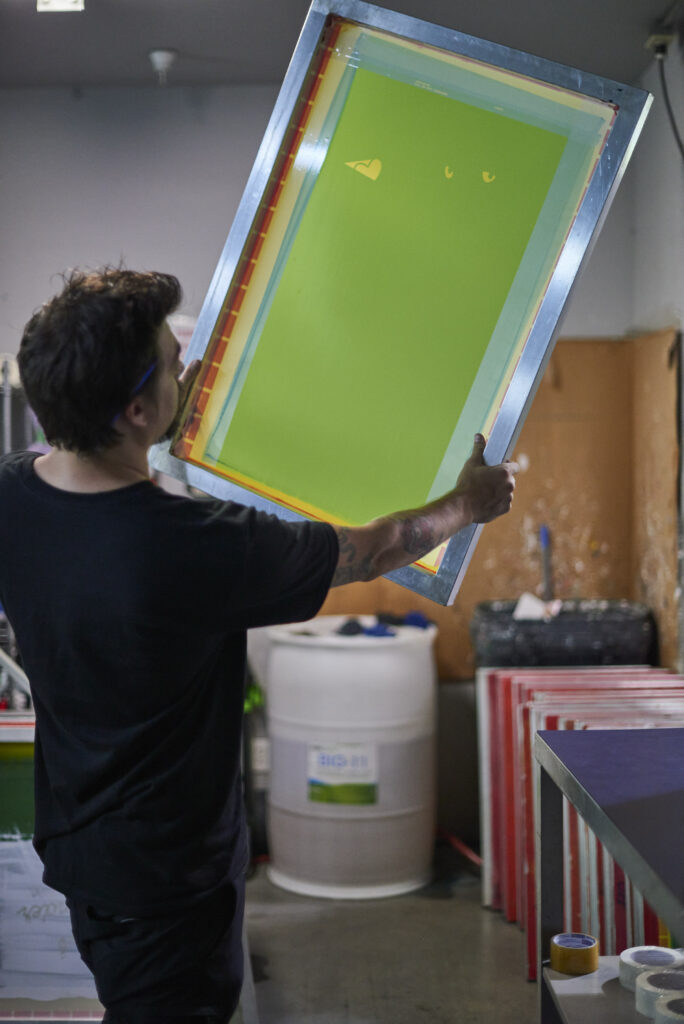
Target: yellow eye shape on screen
x=487 y=176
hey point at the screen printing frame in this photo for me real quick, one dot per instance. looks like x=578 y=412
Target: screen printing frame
x=631 y=105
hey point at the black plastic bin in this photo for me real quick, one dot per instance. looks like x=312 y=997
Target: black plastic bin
x=583 y=633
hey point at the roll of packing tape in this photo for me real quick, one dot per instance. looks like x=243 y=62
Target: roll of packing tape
x=651 y=985
x=668 y=1009
x=574 y=953
x=638 y=959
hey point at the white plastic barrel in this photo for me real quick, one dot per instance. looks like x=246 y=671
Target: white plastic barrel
x=351 y=806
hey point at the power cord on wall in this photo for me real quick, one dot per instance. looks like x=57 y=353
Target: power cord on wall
x=660 y=52
x=664 y=32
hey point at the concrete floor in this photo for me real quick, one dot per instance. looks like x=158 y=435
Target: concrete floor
x=431 y=956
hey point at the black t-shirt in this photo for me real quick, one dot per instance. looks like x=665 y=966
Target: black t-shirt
x=130 y=609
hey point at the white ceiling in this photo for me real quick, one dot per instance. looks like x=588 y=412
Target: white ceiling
x=247 y=41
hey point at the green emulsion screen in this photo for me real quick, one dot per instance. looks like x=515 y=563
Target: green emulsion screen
x=403 y=277
x=391 y=278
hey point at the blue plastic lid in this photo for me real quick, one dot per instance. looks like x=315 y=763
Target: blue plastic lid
x=416 y=619
x=379 y=629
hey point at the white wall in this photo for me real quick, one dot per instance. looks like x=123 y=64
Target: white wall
x=153 y=176
x=634 y=281
x=600 y=304
x=658 y=228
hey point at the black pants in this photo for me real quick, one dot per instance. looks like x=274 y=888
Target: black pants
x=166 y=970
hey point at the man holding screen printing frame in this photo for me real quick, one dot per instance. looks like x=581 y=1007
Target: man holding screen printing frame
x=139 y=818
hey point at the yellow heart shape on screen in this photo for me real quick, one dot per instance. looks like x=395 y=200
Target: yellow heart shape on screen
x=369 y=168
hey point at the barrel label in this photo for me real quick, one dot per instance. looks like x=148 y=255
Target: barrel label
x=343 y=773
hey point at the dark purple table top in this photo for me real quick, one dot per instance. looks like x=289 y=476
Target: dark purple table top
x=636 y=777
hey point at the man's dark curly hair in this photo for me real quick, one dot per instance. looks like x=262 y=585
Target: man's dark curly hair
x=84 y=352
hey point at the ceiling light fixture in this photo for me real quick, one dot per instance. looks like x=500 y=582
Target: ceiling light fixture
x=60 y=5
x=162 y=60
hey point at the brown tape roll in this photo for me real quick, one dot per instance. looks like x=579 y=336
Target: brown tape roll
x=574 y=953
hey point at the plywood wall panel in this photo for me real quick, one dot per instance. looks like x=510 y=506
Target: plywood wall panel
x=579 y=478
x=655 y=448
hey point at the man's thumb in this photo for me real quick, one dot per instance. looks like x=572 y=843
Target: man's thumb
x=477 y=455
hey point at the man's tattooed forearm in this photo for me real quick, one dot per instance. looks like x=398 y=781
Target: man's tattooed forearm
x=347 y=547
x=418 y=535
x=350 y=567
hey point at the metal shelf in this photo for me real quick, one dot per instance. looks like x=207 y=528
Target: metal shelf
x=596 y=998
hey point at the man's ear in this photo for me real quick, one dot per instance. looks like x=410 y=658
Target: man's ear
x=137 y=412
